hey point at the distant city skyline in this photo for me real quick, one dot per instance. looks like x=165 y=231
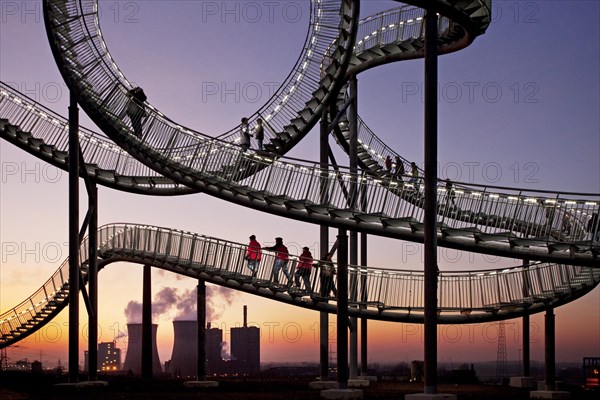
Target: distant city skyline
x=519 y=107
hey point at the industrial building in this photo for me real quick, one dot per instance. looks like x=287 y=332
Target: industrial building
x=133 y=359
x=109 y=357
x=245 y=350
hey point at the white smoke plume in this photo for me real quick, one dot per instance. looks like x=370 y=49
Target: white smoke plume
x=218 y=298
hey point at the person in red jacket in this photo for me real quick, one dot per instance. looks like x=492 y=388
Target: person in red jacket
x=281 y=260
x=304 y=268
x=253 y=255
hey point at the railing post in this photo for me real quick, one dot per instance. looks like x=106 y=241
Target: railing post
x=192 y=248
x=206 y=157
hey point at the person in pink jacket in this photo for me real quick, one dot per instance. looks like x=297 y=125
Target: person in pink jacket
x=304 y=268
x=253 y=254
x=282 y=256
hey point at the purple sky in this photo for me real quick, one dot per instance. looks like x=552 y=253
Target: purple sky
x=519 y=107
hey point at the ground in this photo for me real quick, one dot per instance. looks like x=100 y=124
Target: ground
x=28 y=386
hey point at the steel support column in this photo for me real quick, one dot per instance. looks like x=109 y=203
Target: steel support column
x=73 y=240
x=430 y=217
x=526 y=346
x=324 y=247
x=342 y=310
x=526 y=339
x=353 y=158
x=550 y=350
x=201 y=310
x=93 y=283
x=363 y=294
x=147 y=323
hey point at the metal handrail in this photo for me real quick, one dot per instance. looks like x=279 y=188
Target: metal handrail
x=47 y=125
x=516 y=288
x=554 y=217
x=106 y=87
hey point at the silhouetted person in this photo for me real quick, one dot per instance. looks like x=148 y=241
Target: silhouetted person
x=259 y=133
x=327 y=274
x=399 y=168
x=388 y=164
x=304 y=268
x=136 y=110
x=450 y=192
x=414 y=173
x=245 y=134
x=566 y=224
x=281 y=260
x=593 y=227
x=253 y=254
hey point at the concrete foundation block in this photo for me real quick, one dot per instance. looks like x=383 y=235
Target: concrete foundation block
x=358 y=383
x=549 y=394
x=541 y=385
x=67 y=385
x=94 y=384
x=322 y=385
x=342 y=394
x=200 y=384
x=369 y=378
x=523 y=382
x=425 y=396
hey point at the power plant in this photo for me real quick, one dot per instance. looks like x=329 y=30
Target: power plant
x=245 y=350
x=185 y=349
x=133 y=359
x=214 y=346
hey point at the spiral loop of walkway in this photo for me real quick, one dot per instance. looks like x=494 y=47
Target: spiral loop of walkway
x=515 y=223
x=87 y=67
x=384 y=294
x=40 y=131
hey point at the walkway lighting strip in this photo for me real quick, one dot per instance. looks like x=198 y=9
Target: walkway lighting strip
x=304 y=67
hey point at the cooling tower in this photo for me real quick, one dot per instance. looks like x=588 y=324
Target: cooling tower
x=184 y=360
x=133 y=359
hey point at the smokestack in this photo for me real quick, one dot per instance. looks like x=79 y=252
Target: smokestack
x=184 y=360
x=245 y=316
x=133 y=359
